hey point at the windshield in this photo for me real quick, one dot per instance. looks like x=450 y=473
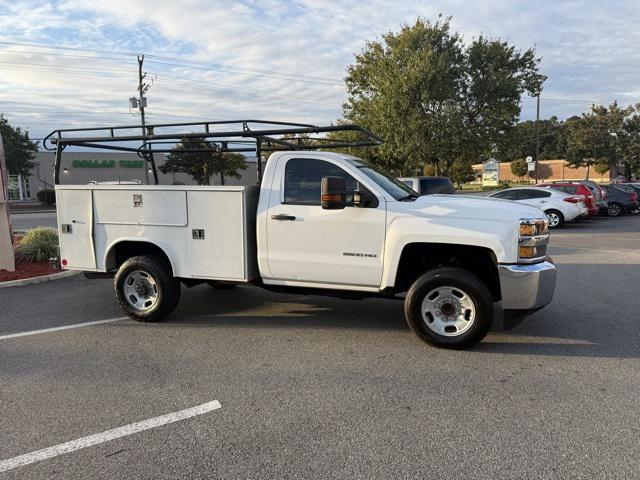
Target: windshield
x=391 y=185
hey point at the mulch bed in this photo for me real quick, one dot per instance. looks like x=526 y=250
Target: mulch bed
x=26 y=269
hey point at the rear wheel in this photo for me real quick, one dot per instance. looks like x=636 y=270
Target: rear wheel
x=555 y=218
x=449 y=307
x=146 y=289
x=614 y=210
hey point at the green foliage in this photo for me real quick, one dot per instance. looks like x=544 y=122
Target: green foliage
x=519 y=168
x=18 y=148
x=602 y=168
x=201 y=165
x=435 y=98
x=47 y=196
x=39 y=244
x=461 y=172
x=605 y=135
x=520 y=141
x=429 y=170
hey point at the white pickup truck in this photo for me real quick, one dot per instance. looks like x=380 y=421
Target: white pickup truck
x=320 y=222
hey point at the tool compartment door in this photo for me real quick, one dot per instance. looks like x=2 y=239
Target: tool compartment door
x=75 y=228
x=217 y=235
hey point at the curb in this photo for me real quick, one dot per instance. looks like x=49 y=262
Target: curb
x=41 y=279
x=16 y=212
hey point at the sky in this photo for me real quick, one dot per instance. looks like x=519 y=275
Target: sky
x=278 y=60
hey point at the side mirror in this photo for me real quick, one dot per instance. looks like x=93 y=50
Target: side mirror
x=333 y=195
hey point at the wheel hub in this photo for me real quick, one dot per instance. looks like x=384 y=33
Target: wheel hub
x=449 y=308
x=448 y=311
x=140 y=290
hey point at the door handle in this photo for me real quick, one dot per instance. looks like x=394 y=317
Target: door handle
x=282 y=216
x=544 y=201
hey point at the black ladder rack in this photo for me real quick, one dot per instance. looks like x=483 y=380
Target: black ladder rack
x=225 y=136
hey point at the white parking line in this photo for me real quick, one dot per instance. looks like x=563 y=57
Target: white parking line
x=107 y=436
x=56 y=329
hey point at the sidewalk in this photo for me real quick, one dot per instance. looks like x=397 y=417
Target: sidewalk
x=30 y=207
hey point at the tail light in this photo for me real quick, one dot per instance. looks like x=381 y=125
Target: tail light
x=634 y=197
x=574 y=199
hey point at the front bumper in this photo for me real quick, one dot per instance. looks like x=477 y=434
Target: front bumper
x=527 y=287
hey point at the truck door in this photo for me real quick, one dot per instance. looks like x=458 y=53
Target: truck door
x=308 y=244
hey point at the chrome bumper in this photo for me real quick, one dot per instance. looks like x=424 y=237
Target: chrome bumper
x=527 y=287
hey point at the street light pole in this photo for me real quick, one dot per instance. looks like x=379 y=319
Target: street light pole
x=541 y=79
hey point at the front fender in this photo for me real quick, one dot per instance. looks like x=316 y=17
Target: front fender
x=498 y=236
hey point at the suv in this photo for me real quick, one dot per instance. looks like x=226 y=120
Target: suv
x=429 y=185
x=622 y=199
x=598 y=192
x=576 y=188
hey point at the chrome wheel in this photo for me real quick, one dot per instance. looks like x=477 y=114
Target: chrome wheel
x=554 y=219
x=448 y=311
x=614 y=210
x=140 y=290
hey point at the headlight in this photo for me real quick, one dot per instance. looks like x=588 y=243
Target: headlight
x=533 y=239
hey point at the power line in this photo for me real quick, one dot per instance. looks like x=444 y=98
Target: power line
x=237 y=69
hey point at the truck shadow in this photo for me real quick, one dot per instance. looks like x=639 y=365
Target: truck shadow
x=249 y=307
x=589 y=317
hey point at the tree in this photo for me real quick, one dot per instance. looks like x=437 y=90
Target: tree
x=201 y=165
x=18 y=148
x=461 y=172
x=601 y=168
x=604 y=135
x=520 y=141
x=519 y=168
x=434 y=98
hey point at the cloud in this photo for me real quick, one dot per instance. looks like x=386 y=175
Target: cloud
x=588 y=48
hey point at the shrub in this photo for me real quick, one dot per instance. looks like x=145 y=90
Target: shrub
x=39 y=244
x=47 y=196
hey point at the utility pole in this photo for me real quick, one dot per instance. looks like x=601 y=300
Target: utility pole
x=142 y=89
x=541 y=79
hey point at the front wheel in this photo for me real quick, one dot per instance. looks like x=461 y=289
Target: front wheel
x=555 y=218
x=146 y=289
x=614 y=210
x=449 y=307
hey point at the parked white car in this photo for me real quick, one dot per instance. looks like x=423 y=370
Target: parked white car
x=558 y=206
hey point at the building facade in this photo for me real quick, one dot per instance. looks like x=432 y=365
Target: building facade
x=83 y=167
x=548 y=170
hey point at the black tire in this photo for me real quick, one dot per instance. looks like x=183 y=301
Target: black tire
x=614 y=209
x=555 y=214
x=463 y=281
x=220 y=285
x=166 y=287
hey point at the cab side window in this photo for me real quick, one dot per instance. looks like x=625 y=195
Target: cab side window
x=302 y=178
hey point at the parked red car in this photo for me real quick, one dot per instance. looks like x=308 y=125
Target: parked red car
x=576 y=189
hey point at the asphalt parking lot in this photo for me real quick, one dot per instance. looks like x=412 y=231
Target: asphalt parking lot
x=313 y=387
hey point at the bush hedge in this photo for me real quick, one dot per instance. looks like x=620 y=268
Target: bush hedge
x=47 y=196
x=38 y=244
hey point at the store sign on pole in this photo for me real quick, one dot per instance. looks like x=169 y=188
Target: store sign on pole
x=491 y=173
x=531 y=165
x=7 y=257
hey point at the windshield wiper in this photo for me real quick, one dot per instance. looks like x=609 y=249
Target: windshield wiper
x=410 y=196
